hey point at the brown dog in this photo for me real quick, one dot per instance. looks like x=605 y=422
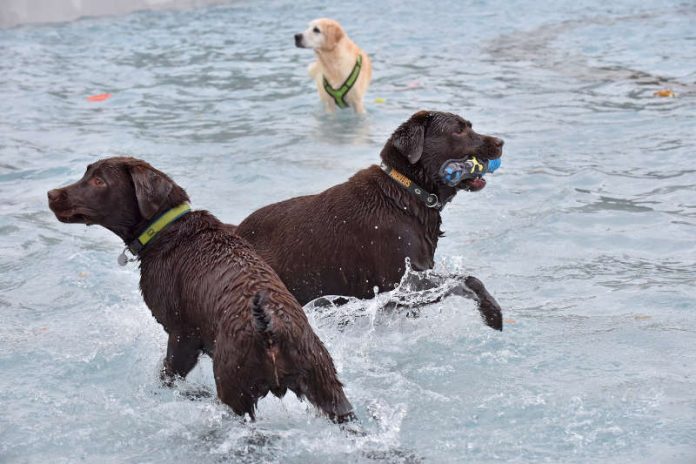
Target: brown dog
x=356 y=236
x=208 y=288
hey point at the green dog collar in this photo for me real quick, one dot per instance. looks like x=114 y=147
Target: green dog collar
x=156 y=226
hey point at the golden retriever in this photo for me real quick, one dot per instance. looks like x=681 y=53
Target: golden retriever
x=342 y=71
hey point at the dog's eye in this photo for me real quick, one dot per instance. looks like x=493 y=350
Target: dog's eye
x=316 y=30
x=98 y=182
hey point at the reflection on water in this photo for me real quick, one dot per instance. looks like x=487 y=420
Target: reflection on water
x=585 y=236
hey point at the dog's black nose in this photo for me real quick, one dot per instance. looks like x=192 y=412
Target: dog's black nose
x=498 y=142
x=298 y=40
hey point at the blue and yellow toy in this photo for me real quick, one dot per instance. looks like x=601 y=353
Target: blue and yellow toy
x=455 y=171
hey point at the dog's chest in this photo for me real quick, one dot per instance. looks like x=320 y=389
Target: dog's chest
x=160 y=287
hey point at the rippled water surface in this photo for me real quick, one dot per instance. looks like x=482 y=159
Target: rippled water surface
x=585 y=235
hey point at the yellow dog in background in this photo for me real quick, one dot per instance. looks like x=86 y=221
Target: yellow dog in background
x=342 y=71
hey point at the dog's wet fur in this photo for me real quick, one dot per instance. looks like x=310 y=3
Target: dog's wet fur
x=210 y=290
x=356 y=236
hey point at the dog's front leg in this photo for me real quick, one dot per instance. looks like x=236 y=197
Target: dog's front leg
x=182 y=354
x=471 y=287
x=329 y=105
x=466 y=286
x=358 y=106
x=487 y=305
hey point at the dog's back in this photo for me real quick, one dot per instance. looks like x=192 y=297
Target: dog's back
x=203 y=281
x=344 y=241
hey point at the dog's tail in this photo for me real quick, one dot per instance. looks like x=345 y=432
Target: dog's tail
x=263 y=320
x=267 y=328
x=314 y=375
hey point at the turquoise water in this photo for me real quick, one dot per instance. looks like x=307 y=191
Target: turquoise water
x=585 y=235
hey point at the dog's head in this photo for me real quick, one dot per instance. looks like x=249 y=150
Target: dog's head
x=421 y=145
x=323 y=34
x=120 y=193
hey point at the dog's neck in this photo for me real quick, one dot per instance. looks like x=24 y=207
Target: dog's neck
x=407 y=203
x=156 y=226
x=338 y=63
x=417 y=174
x=128 y=232
x=132 y=223
x=131 y=231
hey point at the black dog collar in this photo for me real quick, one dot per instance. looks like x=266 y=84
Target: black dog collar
x=430 y=199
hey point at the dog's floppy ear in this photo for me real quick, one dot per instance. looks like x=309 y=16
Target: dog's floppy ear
x=151 y=189
x=408 y=138
x=333 y=34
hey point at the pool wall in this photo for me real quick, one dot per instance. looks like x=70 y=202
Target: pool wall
x=17 y=12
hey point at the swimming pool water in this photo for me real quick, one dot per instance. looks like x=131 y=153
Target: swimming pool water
x=585 y=235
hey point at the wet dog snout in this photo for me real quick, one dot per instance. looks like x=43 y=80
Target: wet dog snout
x=54 y=195
x=498 y=142
x=298 y=40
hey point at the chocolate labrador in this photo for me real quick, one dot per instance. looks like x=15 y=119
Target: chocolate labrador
x=357 y=235
x=208 y=288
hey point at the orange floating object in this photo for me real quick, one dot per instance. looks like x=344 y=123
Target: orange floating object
x=665 y=93
x=99 y=97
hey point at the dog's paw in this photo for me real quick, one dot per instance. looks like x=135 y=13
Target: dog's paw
x=492 y=314
x=489 y=308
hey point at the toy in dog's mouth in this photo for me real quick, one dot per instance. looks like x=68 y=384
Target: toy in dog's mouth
x=467 y=174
